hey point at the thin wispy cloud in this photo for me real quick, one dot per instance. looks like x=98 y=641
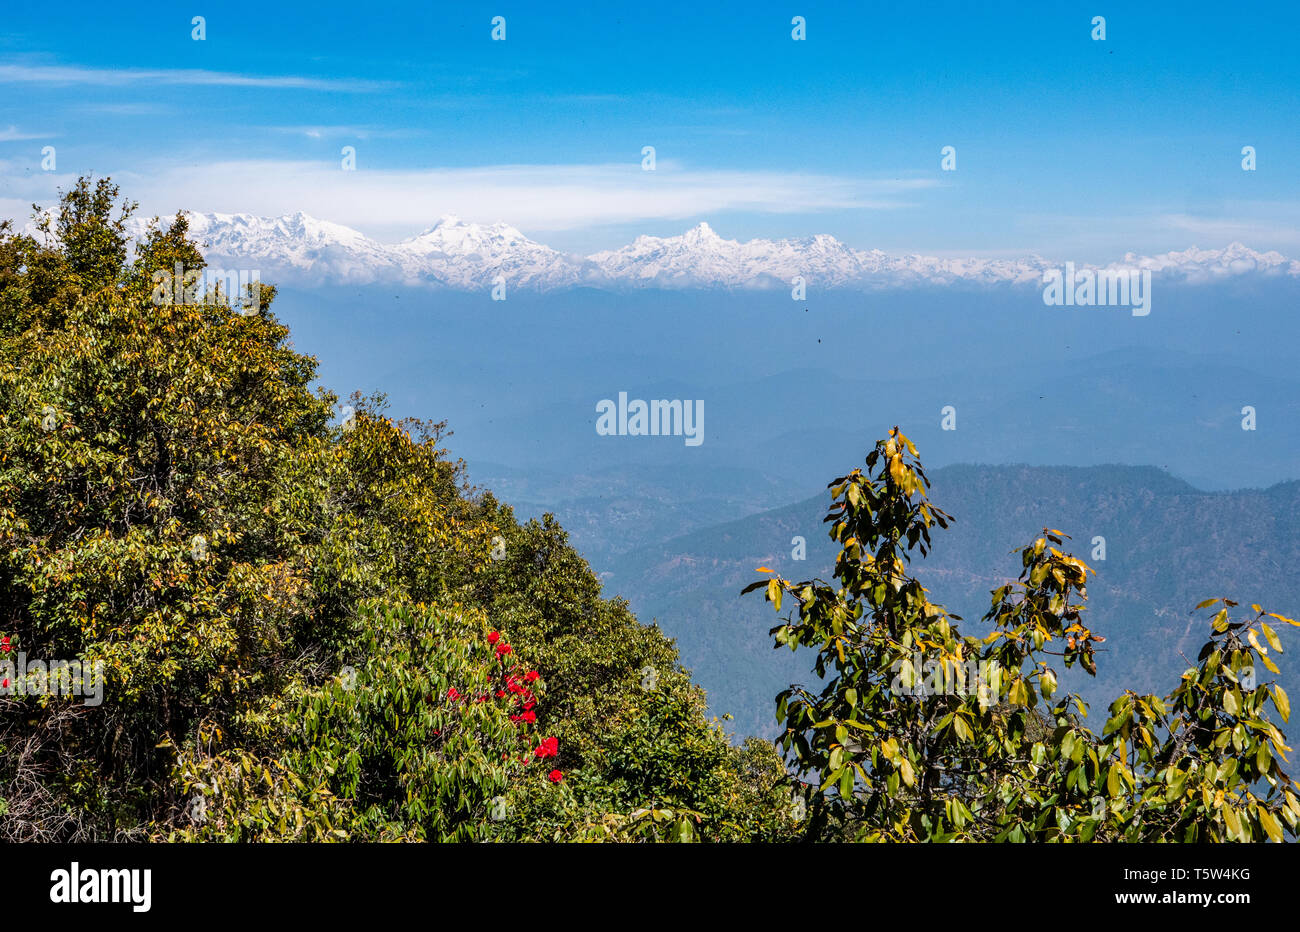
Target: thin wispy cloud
x=348 y=132
x=1220 y=228
x=535 y=198
x=138 y=108
x=13 y=133
x=63 y=75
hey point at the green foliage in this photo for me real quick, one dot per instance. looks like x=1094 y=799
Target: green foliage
x=176 y=503
x=631 y=745
x=410 y=744
x=901 y=744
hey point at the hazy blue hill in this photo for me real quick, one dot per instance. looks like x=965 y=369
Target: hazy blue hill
x=611 y=510
x=520 y=378
x=795 y=393
x=1168 y=546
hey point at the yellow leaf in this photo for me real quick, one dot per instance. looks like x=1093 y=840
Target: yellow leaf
x=1282 y=701
x=1270 y=824
x=905 y=768
x=774 y=593
x=1234 y=823
x=1231 y=704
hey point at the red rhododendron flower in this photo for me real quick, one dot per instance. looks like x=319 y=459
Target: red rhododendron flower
x=453 y=693
x=493 y=637
x=529 y=717
x=555 y=776
x=4 y=642
x=548 y=748
x=532 y=676
x=503 y=649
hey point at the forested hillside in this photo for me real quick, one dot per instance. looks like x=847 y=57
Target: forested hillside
x=309 y=626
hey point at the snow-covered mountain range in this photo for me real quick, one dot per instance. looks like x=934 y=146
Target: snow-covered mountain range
x=299 y=249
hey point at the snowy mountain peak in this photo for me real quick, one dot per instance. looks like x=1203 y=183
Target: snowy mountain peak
x=260 y=234
x=459 y=254
x=701 y=233
x=1199 y=265
x=451 y=234
x=446 y=223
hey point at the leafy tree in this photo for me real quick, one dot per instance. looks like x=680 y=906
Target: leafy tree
x=178 y=505
x=923 y=734
x=642 y=759
x=412 y=744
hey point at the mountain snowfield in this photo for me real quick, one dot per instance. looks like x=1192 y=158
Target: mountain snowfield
x=299 y=249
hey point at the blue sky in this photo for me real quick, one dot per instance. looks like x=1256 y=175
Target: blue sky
x=1066 y=146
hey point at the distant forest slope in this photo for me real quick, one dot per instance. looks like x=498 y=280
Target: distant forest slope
x=1246 y=544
